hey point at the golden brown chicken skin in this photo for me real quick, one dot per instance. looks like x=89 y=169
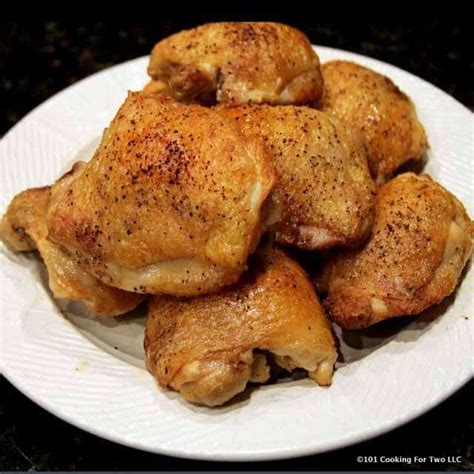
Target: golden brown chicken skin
x=373 y=105
x=203 y=347
x=23 y=229
x=172 y=201
x=239 y=63
x=324 y=188
x=420 y=241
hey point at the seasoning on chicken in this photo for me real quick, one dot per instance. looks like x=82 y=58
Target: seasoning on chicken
x=420 y=241
x=374 y=106
x=209 y=347
x=172 y=201
x=239 y=63
x=23 y=229
x=324 y=188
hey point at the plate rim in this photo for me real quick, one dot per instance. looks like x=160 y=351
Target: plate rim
x=241 y=456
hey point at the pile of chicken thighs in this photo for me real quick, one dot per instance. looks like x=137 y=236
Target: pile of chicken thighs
x=241 y=149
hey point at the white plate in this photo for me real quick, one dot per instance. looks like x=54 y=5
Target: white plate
x=69 y=365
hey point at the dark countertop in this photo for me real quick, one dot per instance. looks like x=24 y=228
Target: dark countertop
x=38 y=59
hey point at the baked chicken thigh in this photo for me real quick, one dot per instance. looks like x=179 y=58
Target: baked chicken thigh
x=171 y=202
x=207 y=347
x=420 y=241
x=23 y=229
x=240 y=63
x=373 y=105
x=324 y=189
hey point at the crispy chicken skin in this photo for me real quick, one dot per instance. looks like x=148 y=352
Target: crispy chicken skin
x=239 y=63
x=172 y=201
x=324 y=188
x=203 y=347
x=375 y=106
x=23 y=229
x=420 y=241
